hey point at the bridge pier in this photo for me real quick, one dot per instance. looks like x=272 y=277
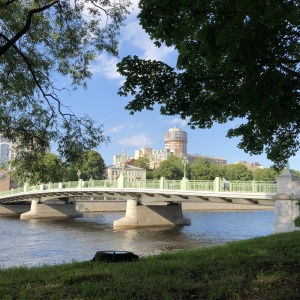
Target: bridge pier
x=138 y=215
x=41 y=210
x=286 y=209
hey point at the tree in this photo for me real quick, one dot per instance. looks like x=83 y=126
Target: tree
x=201 y=169
x=130 y=161
x=217 y=171
x=238 y=172
x=49 y=168
x=236 y=60
x=142 y=162
x=149 y=174
x=171 y=168
x=92 y=166
x=295 y=172
x=41 y=41
x=265 y=174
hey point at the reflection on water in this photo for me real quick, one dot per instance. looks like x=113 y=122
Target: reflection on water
x=37 y=242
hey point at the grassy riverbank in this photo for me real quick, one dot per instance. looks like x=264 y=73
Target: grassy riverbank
x=260 y=268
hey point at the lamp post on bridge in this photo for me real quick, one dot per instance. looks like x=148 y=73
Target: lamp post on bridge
x=123 y=158
x=78 y=174
x=79 y=180
x=121 y=179
x=184 y=161
x=184 y=181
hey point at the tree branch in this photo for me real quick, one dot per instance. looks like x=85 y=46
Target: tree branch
x=45 y=95
x=8 y=2
x=289 y=71
x=106 y=13
x=26 y=27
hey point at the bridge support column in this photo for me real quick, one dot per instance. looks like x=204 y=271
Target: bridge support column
x=286 y=210
x=40 y=211
x=138 y=215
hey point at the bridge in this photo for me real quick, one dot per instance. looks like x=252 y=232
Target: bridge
x=141 y=196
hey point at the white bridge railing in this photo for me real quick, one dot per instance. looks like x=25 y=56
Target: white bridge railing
x=163 y=184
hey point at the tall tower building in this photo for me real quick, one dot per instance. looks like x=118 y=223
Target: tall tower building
x=176 y=141
x=7 y=150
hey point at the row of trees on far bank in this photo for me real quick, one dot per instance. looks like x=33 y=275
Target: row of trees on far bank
x=202 y=169
x=50 y=168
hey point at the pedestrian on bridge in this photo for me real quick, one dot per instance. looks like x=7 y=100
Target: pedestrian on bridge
x=225 y=184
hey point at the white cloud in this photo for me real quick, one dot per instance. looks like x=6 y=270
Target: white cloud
x=178 y=121
x=107 y=66
x=135 y=35
x=133 y=41
x=139 y=140
x=155 y=53
x=116 y=129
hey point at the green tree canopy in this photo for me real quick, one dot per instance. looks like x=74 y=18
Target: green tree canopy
x=238 y=172
x=217 y=171
x=265 y=174
x=297 y=173
x=171 y=168
x=236 y=60
x=48 y=168
x=41 y=41
x=201 y=169
x=142 y=162
x=91 y=165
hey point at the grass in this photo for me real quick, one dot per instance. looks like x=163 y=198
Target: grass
x=260 y=268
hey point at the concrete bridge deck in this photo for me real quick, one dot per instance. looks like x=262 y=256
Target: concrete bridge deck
x=143 y=195
x=141 y=209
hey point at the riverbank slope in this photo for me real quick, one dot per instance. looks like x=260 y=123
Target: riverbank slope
x=259 y=268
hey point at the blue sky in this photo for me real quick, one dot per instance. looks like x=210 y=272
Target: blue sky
x=145 y=129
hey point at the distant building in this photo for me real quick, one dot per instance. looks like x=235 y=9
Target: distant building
x=6 y=182
x=119 y=158
x=132 y=173
x=7 y=151
x=155 y=156
x=143 y=152
x=217 y=160
x=175 y=141
x=251 y=166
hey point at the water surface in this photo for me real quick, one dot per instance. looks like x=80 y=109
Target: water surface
x=54 y=241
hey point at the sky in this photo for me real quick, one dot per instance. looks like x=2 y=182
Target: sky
x=146 y=129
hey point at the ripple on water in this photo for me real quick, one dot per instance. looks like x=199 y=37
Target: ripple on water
x=39 y=242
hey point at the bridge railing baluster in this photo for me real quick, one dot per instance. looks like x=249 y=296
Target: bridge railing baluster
x=200 y=185
x=253 y=186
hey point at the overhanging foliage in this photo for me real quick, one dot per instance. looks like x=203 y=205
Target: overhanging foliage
x=41 y=41
x=237 y=60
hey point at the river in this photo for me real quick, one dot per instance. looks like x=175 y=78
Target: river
x=55 y=241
